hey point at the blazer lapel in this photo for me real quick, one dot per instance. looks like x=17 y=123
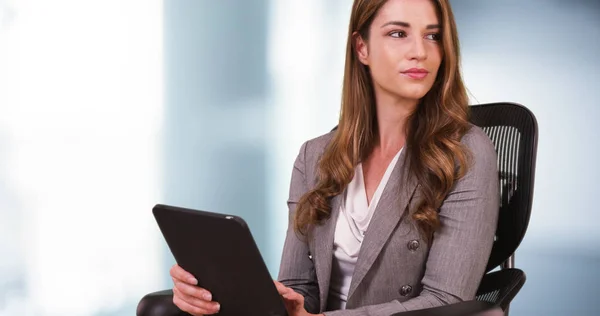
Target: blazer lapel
x=390 y=208
x=323 y=239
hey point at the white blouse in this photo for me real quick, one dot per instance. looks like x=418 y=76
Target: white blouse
x=352 y=223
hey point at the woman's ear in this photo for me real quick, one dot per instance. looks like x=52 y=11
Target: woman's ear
x=362 y=49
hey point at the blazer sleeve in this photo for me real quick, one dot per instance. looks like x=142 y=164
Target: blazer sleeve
x=297 y=270
x=461 y=247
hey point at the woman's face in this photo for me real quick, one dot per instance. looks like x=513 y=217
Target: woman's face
x=404 y=50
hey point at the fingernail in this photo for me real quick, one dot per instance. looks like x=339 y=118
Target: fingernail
x=218 y=307
x=193 y=281
x=207 y=296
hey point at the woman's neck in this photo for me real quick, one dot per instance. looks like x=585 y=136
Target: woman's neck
x=392 y=117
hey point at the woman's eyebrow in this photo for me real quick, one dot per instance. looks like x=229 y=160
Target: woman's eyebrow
x=405 y=24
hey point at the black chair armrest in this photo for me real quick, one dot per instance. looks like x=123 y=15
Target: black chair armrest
x=500 y=287
x=467 y=308
x=159 y=304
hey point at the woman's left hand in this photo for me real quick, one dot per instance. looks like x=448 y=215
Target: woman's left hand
x=294 y=302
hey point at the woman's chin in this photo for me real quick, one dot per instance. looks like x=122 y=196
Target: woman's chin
x=412 y=95
x=412 y=90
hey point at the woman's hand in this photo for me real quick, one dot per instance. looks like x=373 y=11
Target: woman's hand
x=294 y=302
x=188 y=296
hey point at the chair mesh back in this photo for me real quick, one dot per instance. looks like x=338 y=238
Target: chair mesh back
x=513 y=130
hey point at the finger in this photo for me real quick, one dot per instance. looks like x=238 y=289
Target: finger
x=206 y=306
x=292 y=305
x=179 y=273
x=282 y=289
x=293 y=296
x=294 y=300
x=192 y=290
x=189 y=308
x=194 y=300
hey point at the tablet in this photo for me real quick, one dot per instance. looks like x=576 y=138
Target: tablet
x=220 y=252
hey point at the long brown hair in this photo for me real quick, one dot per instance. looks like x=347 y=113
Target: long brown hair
x=435 y=155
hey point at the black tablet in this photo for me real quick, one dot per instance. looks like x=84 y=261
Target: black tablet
x=221 y=253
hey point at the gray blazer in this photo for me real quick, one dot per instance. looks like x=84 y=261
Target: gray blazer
x=396 y=270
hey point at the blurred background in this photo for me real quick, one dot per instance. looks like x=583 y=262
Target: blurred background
x=109 y=107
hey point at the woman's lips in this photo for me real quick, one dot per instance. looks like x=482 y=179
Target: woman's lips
x=415 y=73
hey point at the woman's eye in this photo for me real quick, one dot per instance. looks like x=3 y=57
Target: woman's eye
x=434 y=37
x=398 y=34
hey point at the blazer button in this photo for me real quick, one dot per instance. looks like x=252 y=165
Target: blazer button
x=405 y=290
x=309 y=256
x=413 y=245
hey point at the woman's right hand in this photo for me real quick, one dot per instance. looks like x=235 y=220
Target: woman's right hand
x=188 y=296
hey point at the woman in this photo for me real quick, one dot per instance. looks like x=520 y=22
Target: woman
x=396 y=209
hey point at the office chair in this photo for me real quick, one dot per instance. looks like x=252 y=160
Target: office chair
x=513 y=130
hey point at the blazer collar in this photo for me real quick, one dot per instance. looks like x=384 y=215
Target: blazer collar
x=390 y=209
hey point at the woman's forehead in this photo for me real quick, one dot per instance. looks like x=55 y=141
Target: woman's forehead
x=413 y=12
